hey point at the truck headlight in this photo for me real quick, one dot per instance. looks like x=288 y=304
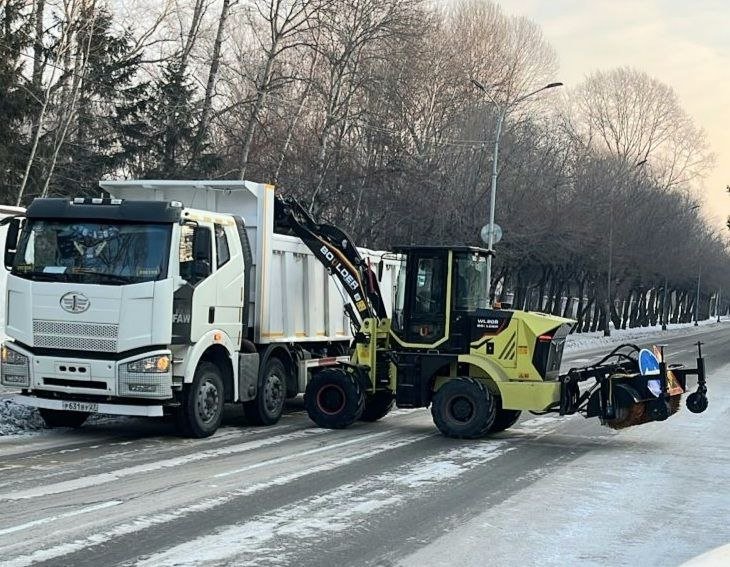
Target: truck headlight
x=15 y=368
x=10 y=356
x=155 y=364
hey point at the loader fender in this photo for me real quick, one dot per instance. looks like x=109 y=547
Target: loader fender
x=514 y=394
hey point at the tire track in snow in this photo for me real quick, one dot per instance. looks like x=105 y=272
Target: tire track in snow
x=145 y=522
x=304 y=523
x=104 y=478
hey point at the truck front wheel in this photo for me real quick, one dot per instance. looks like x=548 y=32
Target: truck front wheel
x=268 y=405
x=334 y=399
x=202 y=405
x=62 y=418
x=463 y=408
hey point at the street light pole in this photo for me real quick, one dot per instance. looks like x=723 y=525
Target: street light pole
x=717 y=304
x=697 y=299
x=607 y=328
x=492 y=201
x=664 y=305
x=502 y=110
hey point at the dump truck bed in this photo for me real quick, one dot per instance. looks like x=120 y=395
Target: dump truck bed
x=293 y=298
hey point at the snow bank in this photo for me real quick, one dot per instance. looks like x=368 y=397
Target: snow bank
x=587 y=341
x=15 y=418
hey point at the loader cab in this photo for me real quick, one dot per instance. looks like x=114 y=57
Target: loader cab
x=438 y=288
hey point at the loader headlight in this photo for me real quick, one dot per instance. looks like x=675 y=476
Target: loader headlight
x=10 y=356
x=155 y=364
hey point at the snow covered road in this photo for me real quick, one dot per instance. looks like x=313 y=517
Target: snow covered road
x=550 y=491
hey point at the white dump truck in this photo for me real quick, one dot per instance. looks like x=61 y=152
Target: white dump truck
x=167 y=297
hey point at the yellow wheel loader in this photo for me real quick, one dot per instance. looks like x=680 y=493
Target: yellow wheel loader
x=477 y=368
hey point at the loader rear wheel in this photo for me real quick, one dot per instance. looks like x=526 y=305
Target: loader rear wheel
x=504 y=418
x=62 y=418
x=201 y=410
x=377 y=406
x=463 y=408
x=334 y=399
x=267 y=407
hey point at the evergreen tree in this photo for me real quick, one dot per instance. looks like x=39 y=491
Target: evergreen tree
x=15 y=102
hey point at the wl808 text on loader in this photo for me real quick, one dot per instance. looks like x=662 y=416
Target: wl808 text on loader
x=477 y=368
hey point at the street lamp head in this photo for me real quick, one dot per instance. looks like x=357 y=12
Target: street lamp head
x=553 y=85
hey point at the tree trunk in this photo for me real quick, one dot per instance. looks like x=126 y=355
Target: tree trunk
x=262 y=91
x=210 y=85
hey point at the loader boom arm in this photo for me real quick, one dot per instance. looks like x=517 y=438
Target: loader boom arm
x=336 y=250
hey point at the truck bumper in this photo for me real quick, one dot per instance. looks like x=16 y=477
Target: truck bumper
x=112 y=409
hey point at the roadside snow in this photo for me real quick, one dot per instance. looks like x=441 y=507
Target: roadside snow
x=16 y=419
x=587 y=341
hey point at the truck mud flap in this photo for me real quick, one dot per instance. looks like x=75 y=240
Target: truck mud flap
x=248 y=375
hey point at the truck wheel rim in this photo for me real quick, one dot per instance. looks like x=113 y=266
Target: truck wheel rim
x=273 y=394
x=460 y=409
x=331 y=399
x=208 y=401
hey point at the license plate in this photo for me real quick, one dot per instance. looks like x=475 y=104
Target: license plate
x=80 y=406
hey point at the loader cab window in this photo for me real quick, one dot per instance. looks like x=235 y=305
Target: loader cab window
x=196 y=253
x=471 y=282
x=429 y=286
x=420 y=306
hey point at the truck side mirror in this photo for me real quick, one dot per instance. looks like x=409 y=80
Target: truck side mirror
x=381 y=267
x=11 y=240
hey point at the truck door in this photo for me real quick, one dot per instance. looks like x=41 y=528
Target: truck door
x=229 y=277
x=196 y=267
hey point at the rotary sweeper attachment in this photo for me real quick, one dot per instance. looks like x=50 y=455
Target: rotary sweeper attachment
x=632 y=386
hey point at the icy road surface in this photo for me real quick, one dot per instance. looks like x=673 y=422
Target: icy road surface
x=550 y=491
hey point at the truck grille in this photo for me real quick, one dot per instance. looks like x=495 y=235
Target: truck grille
x=101 y=337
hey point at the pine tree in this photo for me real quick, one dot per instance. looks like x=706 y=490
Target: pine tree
x=15 y=103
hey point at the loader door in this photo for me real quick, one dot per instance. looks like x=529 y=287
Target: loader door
x=421 y=319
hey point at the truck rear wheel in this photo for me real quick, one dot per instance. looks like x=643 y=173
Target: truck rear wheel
x=202 y=405
x=463 y=408
x=62 y=418
x=268 y=405
x=334 y=399
x=377 y=406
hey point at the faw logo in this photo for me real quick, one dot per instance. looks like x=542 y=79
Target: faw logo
x=74 y=302
x=181 y=317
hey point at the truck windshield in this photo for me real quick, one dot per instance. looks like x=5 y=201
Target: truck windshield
x=92 y=252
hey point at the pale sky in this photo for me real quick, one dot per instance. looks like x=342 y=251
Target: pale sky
x=685 y=44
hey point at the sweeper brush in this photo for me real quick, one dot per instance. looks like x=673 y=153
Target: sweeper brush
x=632 y=386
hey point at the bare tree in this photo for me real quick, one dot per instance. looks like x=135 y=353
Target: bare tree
x=285 y=24
x=637 y=118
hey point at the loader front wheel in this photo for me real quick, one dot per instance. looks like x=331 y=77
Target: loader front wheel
x=463 y=408
x=504 y=418
x=377 y=406
x=334 y=399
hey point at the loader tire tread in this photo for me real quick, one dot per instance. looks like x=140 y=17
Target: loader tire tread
x=464 y=408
